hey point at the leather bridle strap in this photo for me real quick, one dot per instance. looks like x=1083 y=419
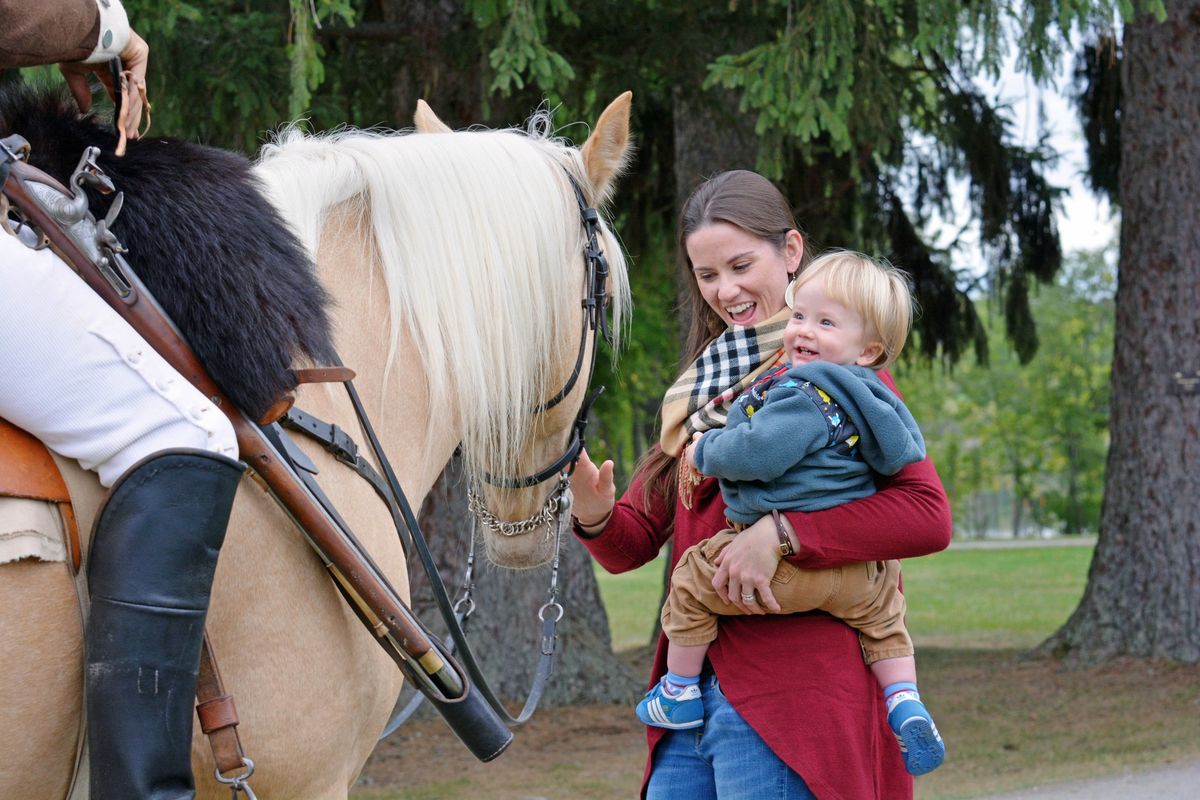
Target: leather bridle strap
x=565 y=462
x=338 y=443
x=595 y=320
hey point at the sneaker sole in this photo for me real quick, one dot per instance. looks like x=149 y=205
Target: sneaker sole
x=681 y=726
x=924 y=751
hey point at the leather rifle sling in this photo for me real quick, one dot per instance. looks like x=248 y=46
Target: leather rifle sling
x=398 y=632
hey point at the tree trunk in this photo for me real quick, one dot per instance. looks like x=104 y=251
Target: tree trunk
x=504 y=630
x=711 y=136
x=1143 y=593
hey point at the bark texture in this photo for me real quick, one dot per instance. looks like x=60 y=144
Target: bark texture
x=505 y=631
x=1143 y=592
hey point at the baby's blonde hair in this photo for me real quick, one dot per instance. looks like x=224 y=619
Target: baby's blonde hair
x=873 y=288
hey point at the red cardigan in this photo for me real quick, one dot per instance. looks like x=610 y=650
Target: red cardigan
x=799 y=680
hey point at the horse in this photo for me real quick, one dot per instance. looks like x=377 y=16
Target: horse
x=454 y=265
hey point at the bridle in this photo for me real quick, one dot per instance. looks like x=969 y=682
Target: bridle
x=595 y=325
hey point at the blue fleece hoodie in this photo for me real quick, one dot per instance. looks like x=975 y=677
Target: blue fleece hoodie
x=808 y=439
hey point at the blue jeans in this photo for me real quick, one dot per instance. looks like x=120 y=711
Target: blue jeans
x=724 y=759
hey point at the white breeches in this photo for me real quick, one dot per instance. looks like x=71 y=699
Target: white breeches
x=77 y=376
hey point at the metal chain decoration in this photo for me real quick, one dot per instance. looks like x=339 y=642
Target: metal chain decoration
x=548 y=516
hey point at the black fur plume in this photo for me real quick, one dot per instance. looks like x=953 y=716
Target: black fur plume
x=201 y=236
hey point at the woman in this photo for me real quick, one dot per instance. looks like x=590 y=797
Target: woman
x=790 y=708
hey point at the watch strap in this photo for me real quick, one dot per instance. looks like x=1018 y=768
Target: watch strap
x=785 y=542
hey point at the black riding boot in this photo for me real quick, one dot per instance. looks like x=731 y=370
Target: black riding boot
x=150 y=572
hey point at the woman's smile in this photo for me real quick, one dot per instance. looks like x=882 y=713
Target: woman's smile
x=741 y=276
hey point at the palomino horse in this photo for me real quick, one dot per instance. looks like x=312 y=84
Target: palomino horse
x=454 y=260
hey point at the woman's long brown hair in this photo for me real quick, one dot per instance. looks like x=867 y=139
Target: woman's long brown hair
x=752 y=203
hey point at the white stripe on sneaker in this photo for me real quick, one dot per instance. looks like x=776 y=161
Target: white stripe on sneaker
x=897 y=698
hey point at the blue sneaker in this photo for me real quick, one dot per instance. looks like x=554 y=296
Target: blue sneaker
x=920 y=743
x=660 y=710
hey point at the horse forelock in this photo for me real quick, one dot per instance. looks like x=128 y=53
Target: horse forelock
x=204 y=241
x=480 y=241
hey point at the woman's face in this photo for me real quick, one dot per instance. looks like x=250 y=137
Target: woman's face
x=741 y=276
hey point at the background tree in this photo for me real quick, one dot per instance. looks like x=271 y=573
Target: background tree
x=1142 y=597
x=1021 y=447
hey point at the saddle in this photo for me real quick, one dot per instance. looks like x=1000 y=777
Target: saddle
x=28 y=472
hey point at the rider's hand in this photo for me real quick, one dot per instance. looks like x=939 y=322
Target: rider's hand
x=746 y=567
x=134 y=59
x=594 y=492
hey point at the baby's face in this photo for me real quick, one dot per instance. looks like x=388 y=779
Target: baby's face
x=822 y=329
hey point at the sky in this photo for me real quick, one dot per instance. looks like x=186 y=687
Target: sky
x=1085 y=221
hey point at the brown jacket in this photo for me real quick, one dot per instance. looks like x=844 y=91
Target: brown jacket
x=47 y=31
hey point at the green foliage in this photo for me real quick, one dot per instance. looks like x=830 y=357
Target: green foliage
x=801 y=84
x=521 y=53
x=1098 y=96
x=226 y=71
x=1033 y=434
x=307 y=71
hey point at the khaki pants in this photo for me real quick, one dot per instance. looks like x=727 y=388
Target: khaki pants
x=865 y=596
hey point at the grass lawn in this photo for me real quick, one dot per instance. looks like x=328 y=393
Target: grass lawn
x=1009 y=721
x=961 y=598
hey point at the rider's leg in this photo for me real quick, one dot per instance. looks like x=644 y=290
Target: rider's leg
x=79 y=378
x=150 y=571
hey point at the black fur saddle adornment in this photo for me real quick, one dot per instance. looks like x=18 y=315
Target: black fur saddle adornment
x=203 y=239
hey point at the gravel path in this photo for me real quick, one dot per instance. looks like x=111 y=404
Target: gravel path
x=1178 y=782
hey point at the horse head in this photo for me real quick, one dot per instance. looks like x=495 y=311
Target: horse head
x=518 y=498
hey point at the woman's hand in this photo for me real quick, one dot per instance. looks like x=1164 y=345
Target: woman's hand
x=745 y=567
x=594 y=492
x=689 y=453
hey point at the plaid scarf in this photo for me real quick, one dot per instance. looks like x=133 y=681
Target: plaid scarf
x=700 y=398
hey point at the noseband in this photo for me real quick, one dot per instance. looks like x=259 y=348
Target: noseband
x=595 y=325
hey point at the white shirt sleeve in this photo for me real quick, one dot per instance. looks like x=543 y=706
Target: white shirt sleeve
x=114 y=32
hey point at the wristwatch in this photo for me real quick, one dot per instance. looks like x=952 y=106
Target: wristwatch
x=785 y=541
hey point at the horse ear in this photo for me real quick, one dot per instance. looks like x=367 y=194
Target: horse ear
x=607 y=150
x=426 y=121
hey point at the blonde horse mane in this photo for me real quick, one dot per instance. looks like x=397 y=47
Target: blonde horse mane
x=480 y=243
